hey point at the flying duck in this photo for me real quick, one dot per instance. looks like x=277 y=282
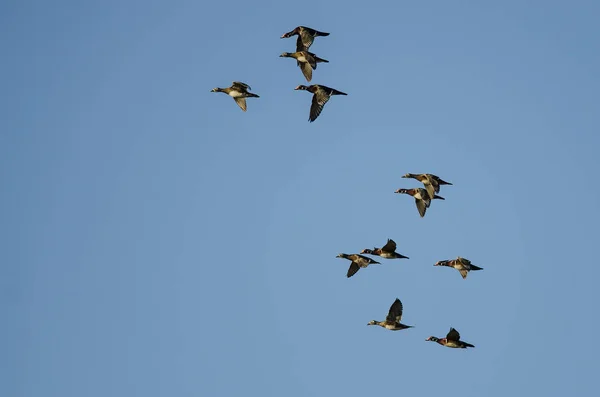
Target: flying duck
x=388 y=251
x=422 y=198
x=306 y=36
x=239 y=92
x=321 y=95
x=307 y=61
x=464 y=266
x=432 y=182
x=358 y=261
x=392 y=321
x=451 y=340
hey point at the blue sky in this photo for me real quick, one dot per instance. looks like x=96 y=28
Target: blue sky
x=158 y=241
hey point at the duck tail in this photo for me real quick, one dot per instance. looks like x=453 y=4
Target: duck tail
x=321 y=33
x=317 y=59
x=468 y=344
x=438 y=197
x=473 y=267
x=251 y=95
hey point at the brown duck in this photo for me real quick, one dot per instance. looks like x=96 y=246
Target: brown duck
x=358 y=261
x=306 y=36
x=432 y=182
x=307 y=61
x=464 y=266
x=451 y=340
x=239 y=92
x=422 y=198
x=392 y=321
x=321 y=95
x=388 y=251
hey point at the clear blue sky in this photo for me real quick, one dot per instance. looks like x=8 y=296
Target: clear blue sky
x=158 y=241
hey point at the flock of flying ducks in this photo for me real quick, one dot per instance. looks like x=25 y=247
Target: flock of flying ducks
x=307 y=62
x=423 y=197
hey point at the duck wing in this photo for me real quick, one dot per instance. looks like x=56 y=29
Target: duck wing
x=395 y=312
x=241 y=101
x=390 y=246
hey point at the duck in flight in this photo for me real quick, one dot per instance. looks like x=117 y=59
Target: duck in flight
x=306 y=36
x=321 y=95
x=239 y=92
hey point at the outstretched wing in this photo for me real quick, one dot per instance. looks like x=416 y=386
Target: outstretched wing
x=430 y=187
x=421 y=206
x=395 y=313
x=453 y=335
x=306 y=70
x=390 y=246
x=238 y=85
x=306 y=39
x=319 y=100
x=241 y=101
x=352 y=269
x=300 y=45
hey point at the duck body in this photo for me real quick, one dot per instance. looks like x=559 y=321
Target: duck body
x=358 y=261
x=321 y=95
x=239 y=92
x=388 y=251
x=422 y=198
x=431 y=182
x=306 y=36
x=392 y=320
x=451 y=340
x=307 y=61
x=463 y=265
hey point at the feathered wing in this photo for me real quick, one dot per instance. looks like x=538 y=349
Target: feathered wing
x=300 y=45
x=241 y=101
x=421 y=206
x=390 y=246
x=306 y=40
x=453 y=335
x=395 y=312
x=306 y=70
x=239 y=86
x=318 y=102
x=352 y=269
x=430 y=188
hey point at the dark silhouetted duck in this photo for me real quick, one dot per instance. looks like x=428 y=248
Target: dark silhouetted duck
x=388 y=251
x=392 y=321
x=464 y=266
x=239 y=92
x=307 y=61
x=451 y=340
x=306 y=36
x=358 y=261
x=432 y=182
x=422 y=198
x=321 y=95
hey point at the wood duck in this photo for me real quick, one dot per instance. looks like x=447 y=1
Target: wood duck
x=358 y=261
x=464 y=266
x=306 y=36
x=392 y=321
x=388 y=251
x=432 y=182
x=451 y=340
x=239 y=92
x=422 y=198
x=307 y=61
x=321 y=95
